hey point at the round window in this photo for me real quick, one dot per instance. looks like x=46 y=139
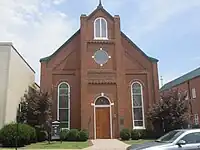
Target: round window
x=101 y=57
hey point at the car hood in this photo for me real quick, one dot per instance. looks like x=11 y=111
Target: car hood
x=147 y=145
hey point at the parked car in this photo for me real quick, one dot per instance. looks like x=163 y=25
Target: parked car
x=184 y=139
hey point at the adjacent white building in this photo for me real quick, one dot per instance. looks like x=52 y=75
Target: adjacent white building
x=15 y=77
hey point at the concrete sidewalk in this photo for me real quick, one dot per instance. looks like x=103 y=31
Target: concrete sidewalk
x=107 y=144
x=99 y=144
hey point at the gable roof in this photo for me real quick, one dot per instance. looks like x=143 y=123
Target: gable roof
x=188 y=76
x=60 y=48
x=11 y=45
x=99 y=7
x=46 y=59
x=137 y=48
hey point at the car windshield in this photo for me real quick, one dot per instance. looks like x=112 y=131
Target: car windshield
x=170 y=137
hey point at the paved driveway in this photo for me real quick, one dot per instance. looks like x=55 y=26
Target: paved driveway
x=107 y=144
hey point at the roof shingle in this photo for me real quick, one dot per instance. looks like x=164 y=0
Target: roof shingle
x=188 y=76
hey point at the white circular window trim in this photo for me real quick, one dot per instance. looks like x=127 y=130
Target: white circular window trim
x=101 y=61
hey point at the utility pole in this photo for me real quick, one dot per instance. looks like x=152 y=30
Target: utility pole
x=17 y=125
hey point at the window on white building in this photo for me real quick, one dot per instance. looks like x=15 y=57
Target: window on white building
x=137 y=105
x=100 y=28
x=63 y=104
x=193 y=93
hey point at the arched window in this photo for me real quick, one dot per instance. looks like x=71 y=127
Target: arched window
x=102 y=101
x=63 y=112
x=100 y=28
x=137 y=105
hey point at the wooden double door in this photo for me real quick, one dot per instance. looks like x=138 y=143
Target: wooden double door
x=103 y=122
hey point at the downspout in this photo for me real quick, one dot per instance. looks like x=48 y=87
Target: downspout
x=190 y=97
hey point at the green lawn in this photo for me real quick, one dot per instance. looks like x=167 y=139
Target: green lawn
x=130 y=142
x=58 y=145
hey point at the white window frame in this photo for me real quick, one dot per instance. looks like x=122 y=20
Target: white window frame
x=96 y=106
x=58 y=104
x=179 y=96
x=194 y=93
x=137 y=127
x=100 y=37
x=196 y=119
x=187 y=95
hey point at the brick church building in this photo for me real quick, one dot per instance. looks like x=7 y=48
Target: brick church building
x=99 y=79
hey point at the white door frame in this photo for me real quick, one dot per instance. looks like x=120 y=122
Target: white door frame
x=101 y=106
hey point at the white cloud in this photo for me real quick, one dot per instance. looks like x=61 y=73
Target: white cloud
x=148 y=15
x=154 y=13
x=35 y=28
x=58 y=2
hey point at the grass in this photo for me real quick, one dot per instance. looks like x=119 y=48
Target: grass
x=130 y=142
x=58 y=145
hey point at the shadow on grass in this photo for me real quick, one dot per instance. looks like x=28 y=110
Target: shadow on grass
x=140 y=141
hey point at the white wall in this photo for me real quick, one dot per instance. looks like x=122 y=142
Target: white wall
x=19 y=78
x=4 y=68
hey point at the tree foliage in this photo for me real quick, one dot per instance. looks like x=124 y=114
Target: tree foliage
x=171 y=112
x=35 y=108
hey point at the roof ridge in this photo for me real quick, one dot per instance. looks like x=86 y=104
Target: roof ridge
x=18 y=53
x=143 y=53
x=54 y=53
x=181 y=79
x=129 y=40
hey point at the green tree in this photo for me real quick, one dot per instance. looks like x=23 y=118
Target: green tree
x=171 y=112
x=35 y=108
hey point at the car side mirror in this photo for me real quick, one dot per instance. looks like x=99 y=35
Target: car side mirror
x=181 y=142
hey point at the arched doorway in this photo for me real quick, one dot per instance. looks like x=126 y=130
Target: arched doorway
x=102 y=118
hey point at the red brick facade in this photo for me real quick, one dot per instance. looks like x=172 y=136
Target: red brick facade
x=188 y=87
x=73 y=63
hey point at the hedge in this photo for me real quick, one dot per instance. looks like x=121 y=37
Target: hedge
x=64 y=134
x=8 y=134
x=74 y=135
x=134 y=134
x=83 y=135
x=40 y=134
x=125 y=134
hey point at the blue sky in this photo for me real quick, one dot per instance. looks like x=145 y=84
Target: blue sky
x=168 y=30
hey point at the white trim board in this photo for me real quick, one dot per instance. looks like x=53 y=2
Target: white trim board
x=142 y=99
x=102 y=106
x=58 y=101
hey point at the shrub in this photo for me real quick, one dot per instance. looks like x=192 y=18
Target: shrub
x=171 y=111
x=138 y=134
x=195 y=126
x=125 y=134
x=135 y=135
x=73 y=135
x=30 y=133
x=9 y=133
x=83 y=135
x=64 y=134
x=41 y=134
x=33 y=136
